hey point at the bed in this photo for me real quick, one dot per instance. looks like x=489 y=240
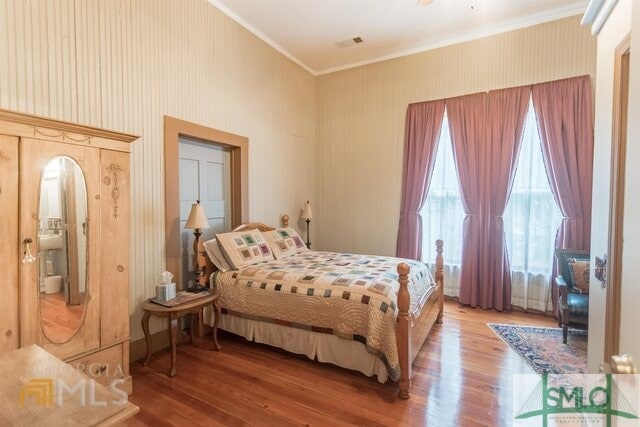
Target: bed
x=367 y=313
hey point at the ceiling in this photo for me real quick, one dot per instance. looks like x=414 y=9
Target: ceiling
x=317 y=34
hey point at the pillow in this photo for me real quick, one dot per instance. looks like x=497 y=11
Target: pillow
x=244 y=248
x=579 y=270
x=284 y=242
x=216 y=255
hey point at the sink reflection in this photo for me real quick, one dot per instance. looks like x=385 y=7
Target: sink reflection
x=50 y=242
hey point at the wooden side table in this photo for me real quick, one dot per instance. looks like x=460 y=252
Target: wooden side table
x=173 y=313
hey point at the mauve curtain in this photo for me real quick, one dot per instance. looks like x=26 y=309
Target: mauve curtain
x=507 y=110
x=565 y=122
x=423 y=125
x=467 y=121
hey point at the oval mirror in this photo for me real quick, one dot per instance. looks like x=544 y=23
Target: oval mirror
x=62 y=248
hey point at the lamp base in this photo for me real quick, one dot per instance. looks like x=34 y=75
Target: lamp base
x=197 y=288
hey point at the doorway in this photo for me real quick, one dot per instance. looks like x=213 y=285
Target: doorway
x=616 y=202
x=235 y=148
x=204 y=175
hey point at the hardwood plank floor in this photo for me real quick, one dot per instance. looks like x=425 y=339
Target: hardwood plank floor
x=462 y=377
x=59 y=320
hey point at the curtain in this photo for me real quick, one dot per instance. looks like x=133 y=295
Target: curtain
x=530 y=237
x=423 y=125
x=565 y=122
x=467 y=120
x=507 y=109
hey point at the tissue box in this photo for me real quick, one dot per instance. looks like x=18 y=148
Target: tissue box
x=165 y=292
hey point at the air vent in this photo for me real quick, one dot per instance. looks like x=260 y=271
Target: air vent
x=349 y=42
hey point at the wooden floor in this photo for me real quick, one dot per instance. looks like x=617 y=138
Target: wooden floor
x=60 y=321
x=462 y=377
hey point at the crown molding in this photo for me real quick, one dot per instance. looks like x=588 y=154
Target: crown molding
x=529 y=21
x=597 y=13
x=259 y=34
x=577 y=8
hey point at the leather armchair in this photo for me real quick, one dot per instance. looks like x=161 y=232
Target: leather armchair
x=573 y=304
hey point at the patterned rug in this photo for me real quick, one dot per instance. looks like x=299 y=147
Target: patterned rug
x=542 y=348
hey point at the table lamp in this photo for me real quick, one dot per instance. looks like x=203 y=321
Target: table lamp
x=307 y=215
x=197 y=221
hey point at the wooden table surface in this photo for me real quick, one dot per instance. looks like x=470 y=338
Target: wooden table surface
x=37 y=388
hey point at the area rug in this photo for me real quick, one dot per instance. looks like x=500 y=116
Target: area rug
x=542 y=348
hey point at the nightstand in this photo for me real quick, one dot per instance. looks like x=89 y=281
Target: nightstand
x=173 y=313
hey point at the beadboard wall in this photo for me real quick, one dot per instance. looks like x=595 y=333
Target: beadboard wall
x=124 y=65
x=361 y=117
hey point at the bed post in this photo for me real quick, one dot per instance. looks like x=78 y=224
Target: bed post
x=284 y=220
x=440 y=278
x=402 y=330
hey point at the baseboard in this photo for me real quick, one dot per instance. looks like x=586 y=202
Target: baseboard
x=138 y=348
x=513 y=307
x=160 y=339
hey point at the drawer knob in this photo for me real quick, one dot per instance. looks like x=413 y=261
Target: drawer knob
x=120 y=268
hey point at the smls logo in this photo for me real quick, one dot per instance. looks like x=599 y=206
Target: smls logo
x=579 y=399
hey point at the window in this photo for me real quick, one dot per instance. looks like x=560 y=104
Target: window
x=531 y=220
x=442 y=214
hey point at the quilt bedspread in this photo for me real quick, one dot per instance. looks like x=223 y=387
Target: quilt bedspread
x=351 y=296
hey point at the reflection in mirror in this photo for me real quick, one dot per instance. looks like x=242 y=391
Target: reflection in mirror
x=62 y=248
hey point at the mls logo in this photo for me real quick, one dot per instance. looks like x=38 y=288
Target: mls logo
x=40 y=390
x=594 y=400
x=53 y=393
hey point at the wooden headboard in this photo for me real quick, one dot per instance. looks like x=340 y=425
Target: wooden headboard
x=284 y=221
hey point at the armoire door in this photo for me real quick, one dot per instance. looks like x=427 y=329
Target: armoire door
x=60 y=216
x=9 y=247
x=114 y=257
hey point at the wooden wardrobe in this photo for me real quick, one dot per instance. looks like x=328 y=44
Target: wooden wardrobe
x=64 y=199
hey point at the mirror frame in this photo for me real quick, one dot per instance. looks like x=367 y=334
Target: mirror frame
x=87 y=296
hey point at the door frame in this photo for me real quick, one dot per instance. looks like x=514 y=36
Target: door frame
x=238 y=146
x=616 y=201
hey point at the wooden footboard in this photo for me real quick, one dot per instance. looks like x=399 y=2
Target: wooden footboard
x=411 y=333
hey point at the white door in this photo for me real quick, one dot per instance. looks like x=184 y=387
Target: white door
x=630 y=285
x=205 y=176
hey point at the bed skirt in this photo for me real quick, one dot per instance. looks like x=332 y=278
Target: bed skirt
x=326 y=348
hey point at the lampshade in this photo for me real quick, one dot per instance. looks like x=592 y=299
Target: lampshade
x=306 y=212
x=197 y=217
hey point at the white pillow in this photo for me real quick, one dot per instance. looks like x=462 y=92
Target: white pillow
x=244 y=248
x=284 y=242
x=216 y=255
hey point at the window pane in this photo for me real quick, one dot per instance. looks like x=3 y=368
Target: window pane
x=442 y=215
x=531 y=221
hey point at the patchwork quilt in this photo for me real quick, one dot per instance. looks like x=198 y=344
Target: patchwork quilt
x=351 y=296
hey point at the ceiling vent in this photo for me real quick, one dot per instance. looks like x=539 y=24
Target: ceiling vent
x=349 y=42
